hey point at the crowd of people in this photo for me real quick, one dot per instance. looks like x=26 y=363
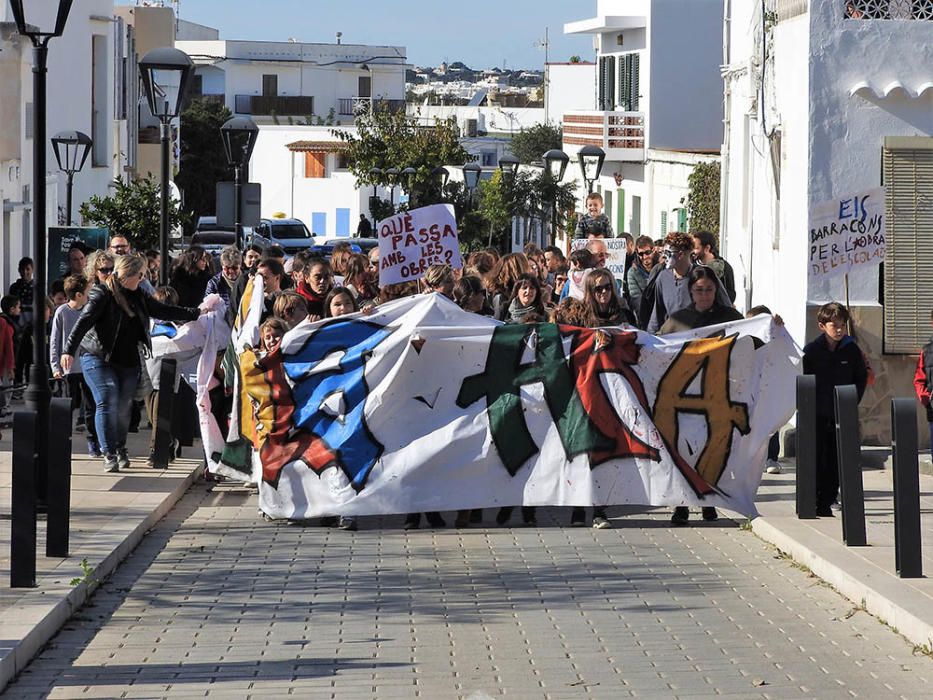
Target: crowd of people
x=100 y=316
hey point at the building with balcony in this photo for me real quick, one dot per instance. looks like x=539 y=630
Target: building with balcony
x=655 y=107
x=825 y=99
x=296 y=82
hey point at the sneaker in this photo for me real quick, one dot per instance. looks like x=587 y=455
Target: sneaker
x=680 y=517
x=412 y=521
x=600 y=523
x=824 y=511
x=80 y=428
x=330 y=521
x=503 y=516
x=710 y=514
x=836 y=506
x=577 y=517
x=111 y=464
x=93 y=449
x=348 y=524
x=123 y=458
x=772 y=466
x=462 y=520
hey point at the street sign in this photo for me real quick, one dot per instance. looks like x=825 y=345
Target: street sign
x=251 y=197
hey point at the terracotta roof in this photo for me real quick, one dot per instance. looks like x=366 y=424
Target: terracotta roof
x=317 y=146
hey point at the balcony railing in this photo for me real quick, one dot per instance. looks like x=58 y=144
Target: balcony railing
x=279 y=105
x=351 y=106
x=887 y=9
x=620 y=134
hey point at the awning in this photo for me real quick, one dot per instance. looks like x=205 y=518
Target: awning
x=317 y=146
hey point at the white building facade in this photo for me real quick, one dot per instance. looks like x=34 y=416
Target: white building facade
x=656 y=109
x=824 y=99
x=292 y=82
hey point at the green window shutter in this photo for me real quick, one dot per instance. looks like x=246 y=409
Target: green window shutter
x=633 y=97
x=682 y=219
x=620 y=211
x=607 y=203
x=663 y=223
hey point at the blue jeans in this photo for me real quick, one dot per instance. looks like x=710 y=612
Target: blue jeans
x=113 y=388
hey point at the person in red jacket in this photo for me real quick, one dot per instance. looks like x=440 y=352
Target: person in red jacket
x=923 y=381
x=9 y=311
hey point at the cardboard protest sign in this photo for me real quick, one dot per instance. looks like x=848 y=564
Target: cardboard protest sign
x=615 y=263
x=847 y=233
x=411 y=241
x=350 y=417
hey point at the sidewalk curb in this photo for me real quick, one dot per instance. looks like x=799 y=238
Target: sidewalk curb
x=864 y=591
x=58 y=613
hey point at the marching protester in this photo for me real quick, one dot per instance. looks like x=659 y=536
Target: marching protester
x=526 y=303
x=923 y=382
x=706 y=252
x=359 y=281
x=772 y=465
x=835 y=359
x=272 y=273
x=66 y=316
x=316 y=285
x=581 y=262
x=603 y=303
x=291 y=307
x=440 y=279
x=9 y=311
x=705 y=309
x=191 y=276
x=501 y=280
x=223 y=282
x=637 y=276
x=593 y=222
x=109 y=332
x=99 y=267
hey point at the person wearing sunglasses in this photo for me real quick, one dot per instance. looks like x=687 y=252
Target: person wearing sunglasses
x=668 y=292
x=113 y=324
x=638 y=274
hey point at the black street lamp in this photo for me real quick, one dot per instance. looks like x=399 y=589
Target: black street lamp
x=508 y=166
x=32 y=20
x=71 y=151
x=555 y=163
x=471 y=173
x=392 y=176
x=407 y=177
x=376 y=175
x=165 y=73
x=239 y=136
x=591 y=164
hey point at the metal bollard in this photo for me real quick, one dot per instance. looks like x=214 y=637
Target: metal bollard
x=907 y=552
x=162 y=453
x=59 y=494
x=848 y=452
x=23 y=508
x=806 y=447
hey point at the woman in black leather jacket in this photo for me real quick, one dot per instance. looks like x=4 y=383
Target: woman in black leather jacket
x=112 y=325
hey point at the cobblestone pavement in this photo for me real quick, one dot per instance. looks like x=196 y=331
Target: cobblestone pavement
x=217 y=603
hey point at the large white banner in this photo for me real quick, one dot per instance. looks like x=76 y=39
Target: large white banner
x=411 y=241
x=617 y=249
x=421 y=406
x=847 y=233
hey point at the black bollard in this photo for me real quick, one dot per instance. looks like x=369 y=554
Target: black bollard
x=806 y=447
x=59 y=494
x=907 y=552
x=849 y=452
x=162 y=453
x=23 y=507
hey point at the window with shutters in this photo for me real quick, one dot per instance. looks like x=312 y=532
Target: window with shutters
x=663 y=223
x=607 y=91
x=628 y=82
x=315 y=165
x=908 y=268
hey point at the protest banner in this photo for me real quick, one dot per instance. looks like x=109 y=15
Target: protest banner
x=847 y=233
x=420 y=406
x=615 y=247
x=411 y=241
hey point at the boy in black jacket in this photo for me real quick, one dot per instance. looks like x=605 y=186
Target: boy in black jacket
x=835 y=360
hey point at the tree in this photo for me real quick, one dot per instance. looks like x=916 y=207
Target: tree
x=703 y=197
x=387 y=139
x=495 y=207
x=530 y=144
x=202 y=162
x=133 y=210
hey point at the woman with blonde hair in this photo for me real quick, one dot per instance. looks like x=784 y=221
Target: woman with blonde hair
x=98 y=266
x=113 y=324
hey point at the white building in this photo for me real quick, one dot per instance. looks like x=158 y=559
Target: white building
x=290 y=82
x=304 y=175
x=841 y=101
x=656 y=110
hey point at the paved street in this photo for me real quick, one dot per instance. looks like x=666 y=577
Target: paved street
x=217 y=602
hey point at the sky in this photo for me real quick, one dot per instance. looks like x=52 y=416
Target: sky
x=481 y=33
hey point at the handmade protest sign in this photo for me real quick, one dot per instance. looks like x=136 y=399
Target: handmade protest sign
x=411 y=241
x=616 y=247
x=421 y=406
x=847 y=233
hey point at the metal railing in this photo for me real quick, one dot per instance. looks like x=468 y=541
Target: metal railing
x=622 y=132
x=887 y=9
x=280 y=105
x=351 y=106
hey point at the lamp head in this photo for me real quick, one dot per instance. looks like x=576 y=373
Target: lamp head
x=166 y=73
